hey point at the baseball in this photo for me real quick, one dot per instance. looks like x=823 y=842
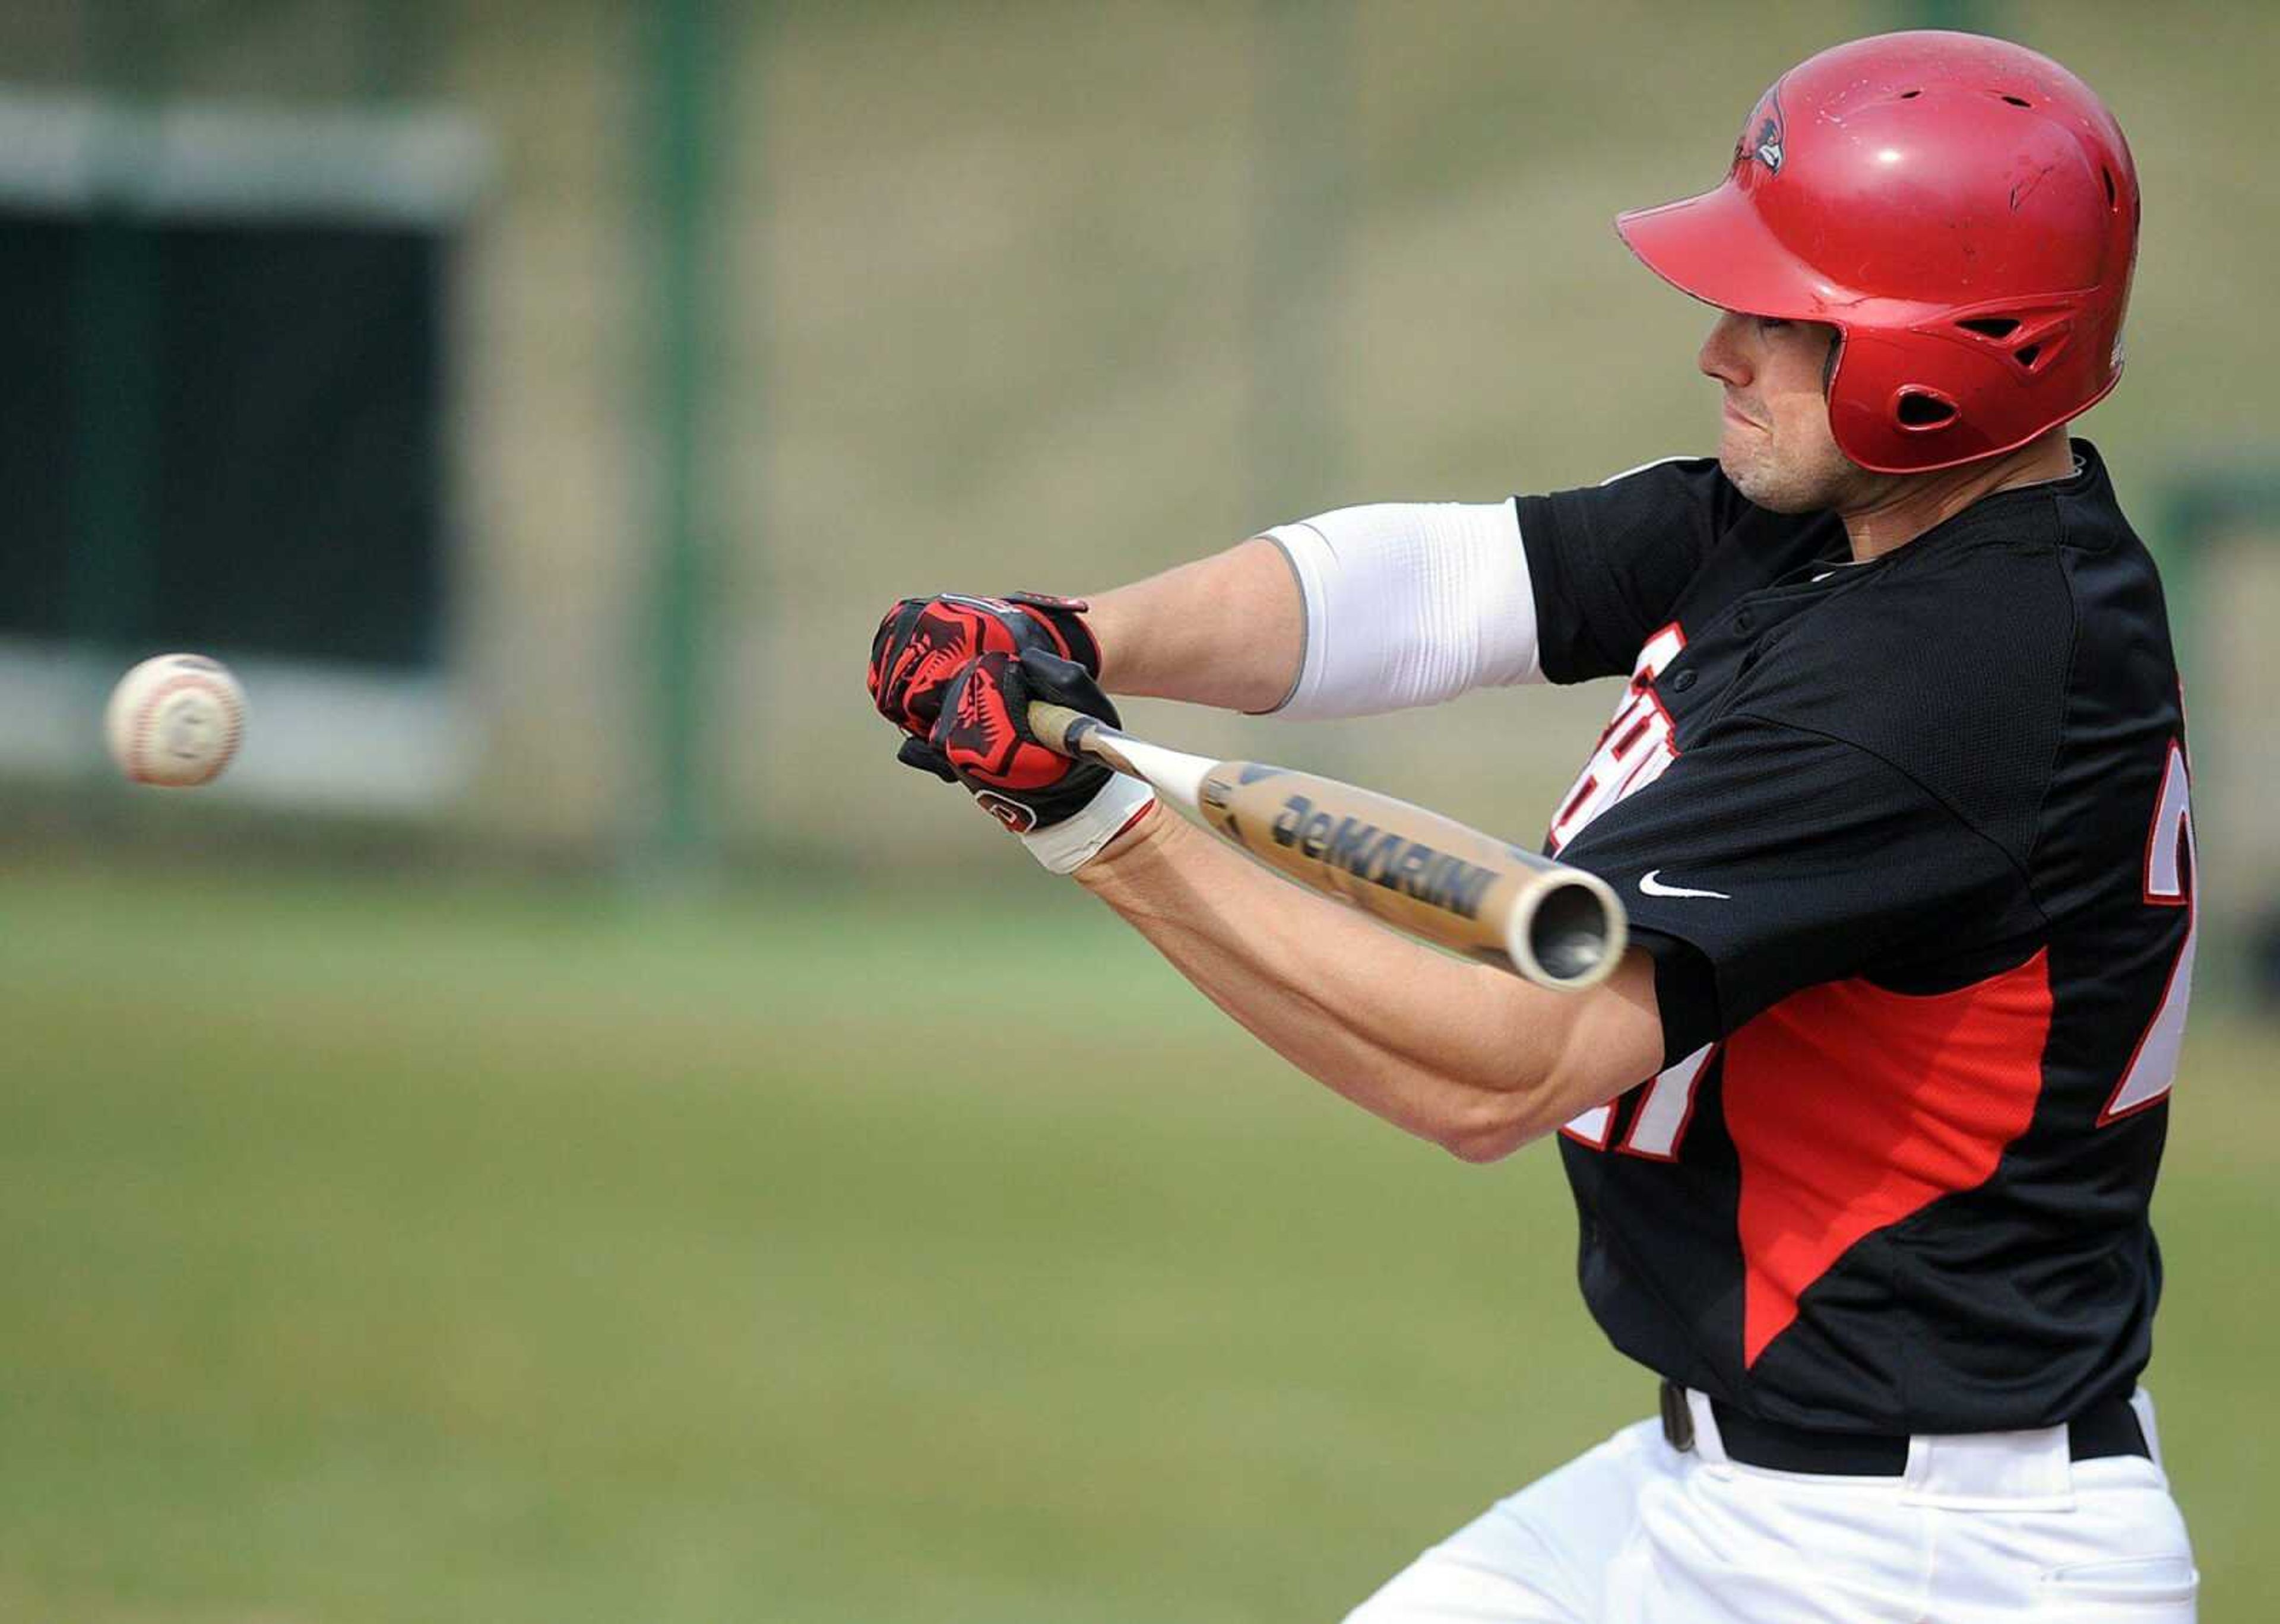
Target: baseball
x=175 y=720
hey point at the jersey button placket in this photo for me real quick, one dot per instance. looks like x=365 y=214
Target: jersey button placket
x=1683 y=680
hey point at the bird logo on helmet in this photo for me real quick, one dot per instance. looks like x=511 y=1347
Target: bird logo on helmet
x=1767 y=148
x=1962 y=210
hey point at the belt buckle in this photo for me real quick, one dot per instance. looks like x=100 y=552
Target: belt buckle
x=1677 y=1418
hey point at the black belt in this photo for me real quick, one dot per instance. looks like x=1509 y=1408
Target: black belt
x=2108 y=1428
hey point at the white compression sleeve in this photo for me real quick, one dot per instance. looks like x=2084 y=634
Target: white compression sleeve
x=1408 y=603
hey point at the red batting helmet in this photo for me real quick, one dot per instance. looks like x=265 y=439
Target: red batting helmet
x=1963 y=210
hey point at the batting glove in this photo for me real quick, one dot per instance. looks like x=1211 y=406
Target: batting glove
x=1065 y=809
x=924 y=643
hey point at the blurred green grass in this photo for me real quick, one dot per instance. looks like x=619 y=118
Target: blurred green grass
x=387 y=1252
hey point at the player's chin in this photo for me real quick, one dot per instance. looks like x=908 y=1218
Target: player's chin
x=1741 y=454
x=1770 y=483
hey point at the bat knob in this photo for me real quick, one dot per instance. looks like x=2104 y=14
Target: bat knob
x=1569 y=931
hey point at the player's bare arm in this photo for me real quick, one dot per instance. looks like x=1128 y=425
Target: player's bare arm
x=1468 y=1057
x=1226 y=631
x=1477 y=1061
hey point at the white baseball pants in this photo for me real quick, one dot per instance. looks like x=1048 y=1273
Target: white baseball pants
x=1982 y=1528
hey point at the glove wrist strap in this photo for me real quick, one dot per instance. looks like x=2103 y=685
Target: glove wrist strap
x=1075 y=840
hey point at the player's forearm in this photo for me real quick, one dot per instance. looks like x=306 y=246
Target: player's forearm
x=1473 y=1059
x=1227 y=631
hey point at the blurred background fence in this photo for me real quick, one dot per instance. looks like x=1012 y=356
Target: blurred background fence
x=539 y=403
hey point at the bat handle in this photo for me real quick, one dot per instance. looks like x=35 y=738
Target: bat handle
x=1176 y=775
x=1058 y=728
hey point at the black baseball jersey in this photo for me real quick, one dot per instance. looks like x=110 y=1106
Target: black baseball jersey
x=1910 y=843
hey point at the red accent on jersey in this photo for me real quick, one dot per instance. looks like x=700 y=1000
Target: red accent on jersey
x=1852 y=1107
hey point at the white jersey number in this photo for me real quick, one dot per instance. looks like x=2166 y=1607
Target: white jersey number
x=1636 y=748
x=1632 y=753
x=1663 y=1112
x=2171 y=872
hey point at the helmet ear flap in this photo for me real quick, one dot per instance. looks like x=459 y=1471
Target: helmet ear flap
x=1898 y=407
x=1887 y=415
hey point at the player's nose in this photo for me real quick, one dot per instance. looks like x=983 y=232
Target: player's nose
x=1722 y=356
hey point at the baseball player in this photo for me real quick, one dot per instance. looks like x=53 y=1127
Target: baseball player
x=1862 y=1130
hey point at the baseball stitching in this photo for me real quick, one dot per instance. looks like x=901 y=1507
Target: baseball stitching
x=146 y=718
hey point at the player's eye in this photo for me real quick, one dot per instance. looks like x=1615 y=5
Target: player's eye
x=1771 y=324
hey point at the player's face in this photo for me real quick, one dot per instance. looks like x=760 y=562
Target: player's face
x=1774 y=440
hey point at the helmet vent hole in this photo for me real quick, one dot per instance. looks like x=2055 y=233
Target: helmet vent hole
x=2018 y=101
x=1910 y=95
x=1991 y=326
x=2025 y=355
x=1922 y=409
x=2106 y=176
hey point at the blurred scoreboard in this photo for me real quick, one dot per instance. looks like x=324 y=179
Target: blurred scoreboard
x=222 y=433
x=224 y=412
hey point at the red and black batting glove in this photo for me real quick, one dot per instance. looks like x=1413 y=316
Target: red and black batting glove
x=924 y=643
x=983 y=739
x=1065 y=809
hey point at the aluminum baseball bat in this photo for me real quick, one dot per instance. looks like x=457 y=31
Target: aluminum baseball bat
x=1427 y=875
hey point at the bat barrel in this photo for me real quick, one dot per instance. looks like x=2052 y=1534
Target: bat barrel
x=1567 y=930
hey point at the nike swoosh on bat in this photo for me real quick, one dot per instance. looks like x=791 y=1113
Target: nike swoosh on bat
x=1653 y=888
